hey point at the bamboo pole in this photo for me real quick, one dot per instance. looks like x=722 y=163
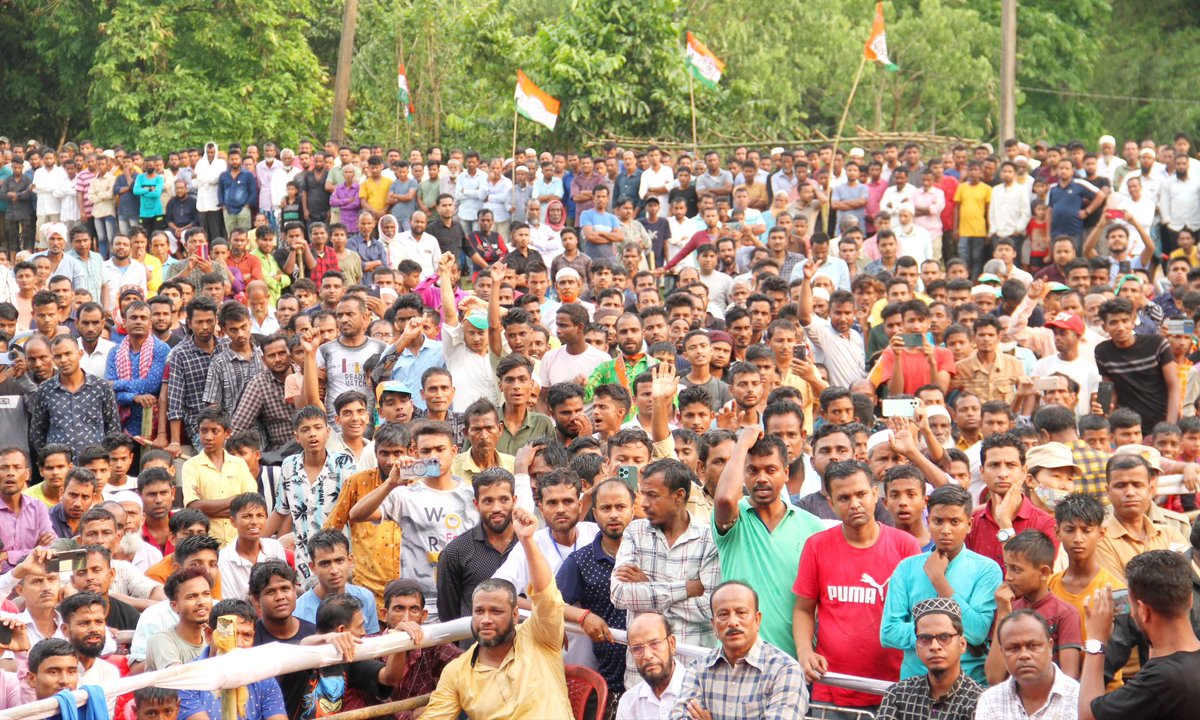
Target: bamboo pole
x=513 y=214
x=692 y=96
x=388 y=708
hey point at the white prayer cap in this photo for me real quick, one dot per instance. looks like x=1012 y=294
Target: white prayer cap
x=880 y=438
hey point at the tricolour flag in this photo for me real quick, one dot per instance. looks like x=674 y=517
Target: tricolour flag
x=403 y=93
x=876 y=47
x=534 y=104
x=705 y=66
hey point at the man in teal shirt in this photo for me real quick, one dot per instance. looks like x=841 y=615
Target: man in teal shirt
x=149 y=189
x=759 y=537
x=950 y=570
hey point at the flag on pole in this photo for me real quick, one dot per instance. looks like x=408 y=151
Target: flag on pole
x=876 y=47
x=403 y=94
x=534 y=104
x=705 y=66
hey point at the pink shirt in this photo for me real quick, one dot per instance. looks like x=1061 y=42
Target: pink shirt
x=933 y=200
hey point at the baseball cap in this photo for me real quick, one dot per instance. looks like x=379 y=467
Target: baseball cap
x=395 y=386
x=1056 y=286
x=1067 y=321
x=1147 y=453
x=989 y=278
x=1051 y=455
x=478 y=318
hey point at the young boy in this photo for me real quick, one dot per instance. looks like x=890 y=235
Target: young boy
x=332 y=562
x=904 y=497
x=120 y=449
x=95 y=458
x=1189 y=439
x=1028 y=558
x=611 y=404
x=54 y=466
x=155 y=703
x=1125 y=426
x=248 y=512
x=1079 y=522
x=1168 y=439
x=213 y=477
x=1095 y=432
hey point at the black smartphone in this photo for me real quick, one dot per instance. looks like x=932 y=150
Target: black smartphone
x=6 y=635
x=800 y=351
x=914 y=340
x=1104 y=395
x=373 y=291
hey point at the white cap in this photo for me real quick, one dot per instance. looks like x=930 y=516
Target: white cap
x=776 y=151
x=1147 y=151
x=857 y=152
x=127 y=496
x=1108 y=140
x=1021 y=159
x=820 y=292
x=932 y=410
x=879 y=438
x=530 y=151
x=568 y=272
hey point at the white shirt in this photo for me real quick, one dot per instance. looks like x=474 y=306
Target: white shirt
x=718 y=284
x=424 y=250
x=1179 y=202
x=93 y=362
x=1008 y=211
x=1002 y=702
x=117 y=278
x=545 y=241
x=681 y=232
x=558 y=365
x=652 y=178
x=473 y=373
x=640 y=703
x=46 y=184
x=152 y=621
x=894 y=197
x=1082 y=370
x=914 y=242
x=1152 y=184
x=269 y=325
x=208 y=175
x=235 y=569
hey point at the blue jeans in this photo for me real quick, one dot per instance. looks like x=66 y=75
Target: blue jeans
x=106 y=230
x=974 y=251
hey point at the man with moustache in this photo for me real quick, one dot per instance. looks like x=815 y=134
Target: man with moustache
x=475 y=556
x=83 y=625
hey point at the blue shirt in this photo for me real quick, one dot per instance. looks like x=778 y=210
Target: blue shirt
x=604 y=222
x=1065 y=204
x=583 y=579
x=373 y=252
x=127 y=389
x=235 y=193
x=974 y=579
x=70 y=267
x=307 y=604
x=149 y=191
x=409 y=367
x=265 y=700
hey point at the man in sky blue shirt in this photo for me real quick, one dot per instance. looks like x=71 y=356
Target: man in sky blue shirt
x=601 y=229
x=470 y=192
x=331 y=561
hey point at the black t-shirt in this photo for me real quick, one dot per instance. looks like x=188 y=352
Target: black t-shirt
x=121 y=615
x=1137 y=376
x=660 y=232
x=1097 y=215
x=1164 y=689
x=313 y=187
x=689 y=196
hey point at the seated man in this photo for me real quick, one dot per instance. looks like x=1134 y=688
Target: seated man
x=333 y=563
x=190 y=592
x=652 y=644
x=83 y=625
x=95 y=574
x=273 y=592
x=745 y=676
x=406 y=612
x=53 y=667
x=945 y=691
x=510 y=671
x=264 y=701
x=98 y=526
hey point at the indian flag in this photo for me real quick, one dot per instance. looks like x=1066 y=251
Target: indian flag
x=534 y=104
x=403 y=94
x=876 y=47
x=705 y=66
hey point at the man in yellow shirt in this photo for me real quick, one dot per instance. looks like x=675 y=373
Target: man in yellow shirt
x=1129 y=530
x=373 y=189
x=483 y=430
x=214 y=477
x=511 y=671
x=971 y=201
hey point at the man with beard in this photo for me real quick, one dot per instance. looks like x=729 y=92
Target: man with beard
x=584 y=577
x=164 y=320
x=83 y=625
x=666 y=548
x=944 y=690
x=262 y=404
x=121 y=271
x=38 y=359
x=93 y=348
x=190 y=594
x=630 y=363
x=190 y=361
x=95 y=575
x=758 y=533
x=136 y=368
x=652 y=644
x=842 y=578
x=376 y=546
x=565 y=401
x=473 y=557
x=499 y=676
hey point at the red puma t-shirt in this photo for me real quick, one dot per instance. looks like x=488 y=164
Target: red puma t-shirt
x=850 y=585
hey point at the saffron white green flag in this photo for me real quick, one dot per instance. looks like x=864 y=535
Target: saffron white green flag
x=534 y=104
x=876 y=47
x=705 y=66
x=403 y=94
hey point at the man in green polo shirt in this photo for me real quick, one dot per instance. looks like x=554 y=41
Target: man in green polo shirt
x=518 y=422
x=759 y=536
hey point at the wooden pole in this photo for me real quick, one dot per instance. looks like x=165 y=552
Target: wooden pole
x=516 y=116
x=827 y=207
x=1008 y=70
x=389 y=708
x=692 y=96
x=849 y=101
x=341 y=82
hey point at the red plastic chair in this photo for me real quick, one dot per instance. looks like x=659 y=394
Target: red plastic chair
x=581 y=683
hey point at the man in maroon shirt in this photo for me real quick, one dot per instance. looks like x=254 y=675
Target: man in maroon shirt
x=1006 y=510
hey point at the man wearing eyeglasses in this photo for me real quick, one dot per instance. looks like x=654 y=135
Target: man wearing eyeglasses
x=944 y=691
x=652 y=645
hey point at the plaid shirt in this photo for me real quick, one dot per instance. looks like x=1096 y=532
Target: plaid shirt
x=668 y=567
x=77 y=418
x=424 y=668
x=910 y=700
x=326 y=262
x=187 y=376
x=262 y=404
x=1093 y=480
x=228 y=375
x=767 y=683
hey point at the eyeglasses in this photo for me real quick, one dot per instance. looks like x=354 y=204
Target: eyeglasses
x=943 y=639
x=655 y=645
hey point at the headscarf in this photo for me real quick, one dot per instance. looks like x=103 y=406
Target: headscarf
x=556 y=227
x=385 y=239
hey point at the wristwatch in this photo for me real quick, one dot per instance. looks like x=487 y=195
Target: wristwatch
x=1093 y=647
x=1005 y=535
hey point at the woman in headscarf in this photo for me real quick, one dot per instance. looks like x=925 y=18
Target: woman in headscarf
x=387 y=232
x=547 y=240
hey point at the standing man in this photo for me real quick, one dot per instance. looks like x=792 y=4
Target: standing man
x=233 y=366
x=213 y=477
x=135 y=367
x=475 y=556
x=944 y=691
x=341 y=364
x=1141 y=367
x=73 y=407
x=971 y=200
x=668 y=562
x=189 y=362
x=209 y=169
x=843 y=578
x=745 y=677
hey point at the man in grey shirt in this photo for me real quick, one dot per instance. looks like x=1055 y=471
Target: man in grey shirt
x=850 y=198
x=716 y=181
x=342 y=363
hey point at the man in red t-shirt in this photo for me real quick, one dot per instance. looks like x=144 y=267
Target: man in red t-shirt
x=1007 y=510
x=843 y=577
x=904 y=368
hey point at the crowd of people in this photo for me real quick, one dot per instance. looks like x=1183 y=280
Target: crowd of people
x=749 y=424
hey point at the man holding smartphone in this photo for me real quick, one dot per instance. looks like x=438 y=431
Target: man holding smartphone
x=431 y=511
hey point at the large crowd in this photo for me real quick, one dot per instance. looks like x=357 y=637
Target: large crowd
x=780 y=417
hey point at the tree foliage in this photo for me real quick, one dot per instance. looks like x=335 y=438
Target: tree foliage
x=156 y=74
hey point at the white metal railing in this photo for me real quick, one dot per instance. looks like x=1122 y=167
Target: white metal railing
x=243 y=666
